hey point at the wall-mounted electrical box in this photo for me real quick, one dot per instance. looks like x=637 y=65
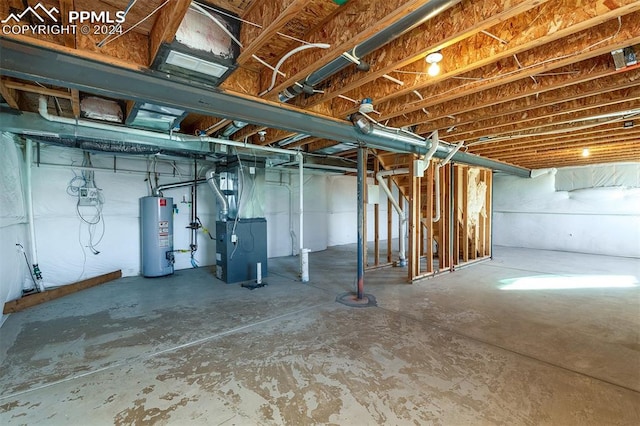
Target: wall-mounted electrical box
x=88 y=196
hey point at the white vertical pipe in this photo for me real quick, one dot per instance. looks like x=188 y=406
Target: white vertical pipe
x=28 y=158
x=259 y=273
x=301 y=230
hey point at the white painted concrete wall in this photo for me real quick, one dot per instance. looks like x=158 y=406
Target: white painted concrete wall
x=329 y=216
x=13 y=221
x=594 y=219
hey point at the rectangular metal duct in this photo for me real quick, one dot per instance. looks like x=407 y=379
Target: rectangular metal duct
x=203 y=49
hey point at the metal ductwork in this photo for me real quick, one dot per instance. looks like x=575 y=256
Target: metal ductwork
x=232 y=128
x=25 y=61
x=393 y=31
x=222 y=200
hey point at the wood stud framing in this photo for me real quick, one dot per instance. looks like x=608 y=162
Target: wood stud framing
x=511 y=68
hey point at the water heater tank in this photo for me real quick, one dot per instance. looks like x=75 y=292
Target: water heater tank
x=156 y=232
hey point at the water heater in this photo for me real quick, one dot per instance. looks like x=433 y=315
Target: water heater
x=156 y=232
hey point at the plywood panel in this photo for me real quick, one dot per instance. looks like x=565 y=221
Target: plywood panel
x=525 y=40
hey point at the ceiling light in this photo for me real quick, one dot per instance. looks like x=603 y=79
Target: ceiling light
x=434 y=69
x=585 y=152
x=433 y=57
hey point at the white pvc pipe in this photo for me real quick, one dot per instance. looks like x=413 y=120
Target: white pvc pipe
x=30 y=217
x=259 y=273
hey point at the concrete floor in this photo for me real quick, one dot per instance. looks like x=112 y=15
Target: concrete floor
x=451 y=350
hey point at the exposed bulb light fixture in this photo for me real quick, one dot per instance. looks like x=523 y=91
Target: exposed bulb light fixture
x=585 y=152
x=434 y=69
x=433 y=58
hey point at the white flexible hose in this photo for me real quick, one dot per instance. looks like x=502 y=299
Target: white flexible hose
x=287 y=56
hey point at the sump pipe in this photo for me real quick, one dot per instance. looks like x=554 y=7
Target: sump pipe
x=393 y=31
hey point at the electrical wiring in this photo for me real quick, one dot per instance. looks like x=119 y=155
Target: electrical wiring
x=89 y=218
x=524 y=68
x=222 y=12
x=287 y=56
x=35 y=286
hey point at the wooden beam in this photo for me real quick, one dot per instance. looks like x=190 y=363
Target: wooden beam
x=45 y=296
x=556 y=111
x=32 y=88
x=514 y=131
x=451 y=26
x=65 y=7
x=75 y=102
x=272 y=16
x=581 y=80
x=548 y=141
x=539 y=48
x=166 y=25
x=9 y=95
x=356 y=22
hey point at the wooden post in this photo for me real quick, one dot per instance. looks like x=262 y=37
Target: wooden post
x=465 y=213
x=457 y=215
x=489 y=208
x=429 y=215
x=414 y=223
x=482 y=219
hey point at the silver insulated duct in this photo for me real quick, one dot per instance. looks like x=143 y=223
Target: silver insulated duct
x=222 y=200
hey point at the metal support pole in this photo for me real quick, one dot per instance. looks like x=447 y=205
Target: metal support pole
x=362 y=169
